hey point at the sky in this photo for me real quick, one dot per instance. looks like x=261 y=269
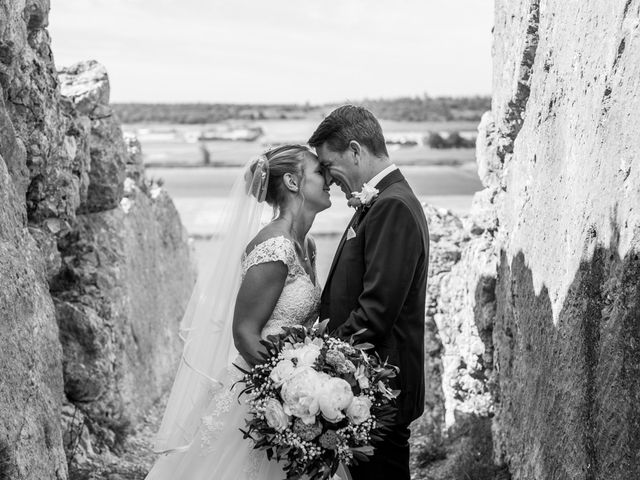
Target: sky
x=278 y=51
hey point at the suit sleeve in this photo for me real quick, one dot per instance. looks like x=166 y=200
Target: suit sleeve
x=392 y=248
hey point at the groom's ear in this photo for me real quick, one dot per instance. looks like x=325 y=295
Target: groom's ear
x=355 y=149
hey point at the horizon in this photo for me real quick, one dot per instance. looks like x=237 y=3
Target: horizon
x=306 y=104
x=283 y=52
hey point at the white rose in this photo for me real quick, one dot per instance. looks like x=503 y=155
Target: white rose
x=359 y=410
x=334 y=397
x=367 y=194
x=275 y=415
x=282 y=372
x=300 y=394
x=305 y=356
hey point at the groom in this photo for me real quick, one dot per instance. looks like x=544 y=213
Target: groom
x=378 y=278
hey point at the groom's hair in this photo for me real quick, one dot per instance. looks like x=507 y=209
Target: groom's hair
x=347 y=123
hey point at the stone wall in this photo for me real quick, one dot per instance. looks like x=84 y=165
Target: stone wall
x=95 y=267
x=559 y=159
x=31 y=191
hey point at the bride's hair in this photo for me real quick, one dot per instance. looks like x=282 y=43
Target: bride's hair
x=277 y=162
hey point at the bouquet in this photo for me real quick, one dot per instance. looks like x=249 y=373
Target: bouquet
x=317 y=401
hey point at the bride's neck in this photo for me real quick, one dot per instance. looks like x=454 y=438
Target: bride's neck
x=298 y=222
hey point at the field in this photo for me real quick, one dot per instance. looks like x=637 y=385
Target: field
x=444 y=178
x=177 y=145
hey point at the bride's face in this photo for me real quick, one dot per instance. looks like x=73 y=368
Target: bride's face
x=314 y=188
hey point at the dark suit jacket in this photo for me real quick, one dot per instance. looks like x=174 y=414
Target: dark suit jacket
x=378 y=281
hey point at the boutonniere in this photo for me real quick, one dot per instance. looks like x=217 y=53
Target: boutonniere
x=364 y=197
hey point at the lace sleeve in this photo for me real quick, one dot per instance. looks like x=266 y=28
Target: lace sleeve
x=275 y=249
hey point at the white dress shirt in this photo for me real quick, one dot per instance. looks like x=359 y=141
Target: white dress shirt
x=376 y=180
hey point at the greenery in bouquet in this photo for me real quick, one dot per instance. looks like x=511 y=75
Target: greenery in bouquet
x=317 y=401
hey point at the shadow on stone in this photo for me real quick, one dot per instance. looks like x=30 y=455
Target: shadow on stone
x=567 y=389
x=6 y=462
x=466 y=455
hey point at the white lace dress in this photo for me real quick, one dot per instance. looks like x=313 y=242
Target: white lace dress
x=219 y=452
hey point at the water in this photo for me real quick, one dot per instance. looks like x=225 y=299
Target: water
x=444 y=178
x=174 y=144
x=199 y=195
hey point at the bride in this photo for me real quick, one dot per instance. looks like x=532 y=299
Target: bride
x=255 y=283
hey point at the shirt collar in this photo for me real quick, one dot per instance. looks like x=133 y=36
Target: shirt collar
x=376 y=180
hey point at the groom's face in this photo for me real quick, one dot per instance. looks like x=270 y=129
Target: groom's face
x=340 y=168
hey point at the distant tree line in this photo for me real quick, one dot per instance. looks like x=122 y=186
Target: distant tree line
x=452 y=140
x=195 y=113
x=413 y=109
x=425 y=108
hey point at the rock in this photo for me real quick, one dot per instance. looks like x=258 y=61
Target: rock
x=87 y=345
x=31 y=389
x=488 y=143
x=135 y=167
x=120 y=279
x=559 y=223
x=12 y=149
x=107 y=174
x=30 y=353
x=120 y=297
x=38 y=161
x=77 y=439
x=447 y=237
x=467 y=311
x=87 y=85
x=47 y=243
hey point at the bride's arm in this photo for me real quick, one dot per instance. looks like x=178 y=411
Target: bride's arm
x=257 y=297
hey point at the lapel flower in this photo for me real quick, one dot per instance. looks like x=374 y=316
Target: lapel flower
x=364 y=197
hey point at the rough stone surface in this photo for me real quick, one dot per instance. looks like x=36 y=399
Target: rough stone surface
x=31 y=389
x=119 y=266
x=465 y=321
x=30 y=354
x=446 y=237
x=86 y=85
x=119 y=298
x=40 y=164
x=135 y=167
x=458 y=348
x=559 y=223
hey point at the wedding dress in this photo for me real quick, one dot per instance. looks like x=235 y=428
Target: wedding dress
x=218 y=450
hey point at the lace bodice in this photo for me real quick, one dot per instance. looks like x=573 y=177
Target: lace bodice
x=300 y=298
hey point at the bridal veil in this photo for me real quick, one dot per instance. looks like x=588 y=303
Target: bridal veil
x=206 y=327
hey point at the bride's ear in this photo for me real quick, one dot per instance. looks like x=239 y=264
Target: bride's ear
x=291 y=182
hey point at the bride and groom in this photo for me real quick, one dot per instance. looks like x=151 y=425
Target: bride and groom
x=375 y=289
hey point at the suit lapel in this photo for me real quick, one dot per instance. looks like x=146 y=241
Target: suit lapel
x=339 y=249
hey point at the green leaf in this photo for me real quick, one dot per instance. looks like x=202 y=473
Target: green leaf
x=246 y=372
x=322 y=326
x=359 y=332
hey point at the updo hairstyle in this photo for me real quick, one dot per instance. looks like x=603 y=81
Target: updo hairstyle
x=277 y=162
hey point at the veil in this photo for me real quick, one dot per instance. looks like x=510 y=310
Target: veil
x=206 y=327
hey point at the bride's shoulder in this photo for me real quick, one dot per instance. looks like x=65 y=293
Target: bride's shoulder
x=270 y=245
x=269 y=237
